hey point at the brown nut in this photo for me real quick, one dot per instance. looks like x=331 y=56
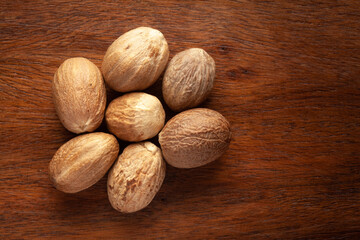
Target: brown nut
x=194 y=138
x=82 y=161
x=79 y=95
x=188 y=79
x=135 y=116
x=135 y=60
x=136 y=177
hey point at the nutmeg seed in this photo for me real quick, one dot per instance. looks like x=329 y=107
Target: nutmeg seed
x=194 y=138
x=79 y=95
x=136 y=177
x=82 y=161
x=188 y=79
x=135 y=116
x=135 y=60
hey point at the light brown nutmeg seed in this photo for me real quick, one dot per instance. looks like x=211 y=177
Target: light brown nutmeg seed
x=136 y=177
x=135 y=116
x=194 y=138
x=135 y=60
x=188 y=79
x=79 y=95
x=82 y=161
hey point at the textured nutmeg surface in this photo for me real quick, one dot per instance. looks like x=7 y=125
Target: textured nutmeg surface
x=135 y=60
x=188 y=79
x=136 y=177
x=82 y=161
x=79 y=95
x=287 y=79
x=194 y=138
x=135 y=116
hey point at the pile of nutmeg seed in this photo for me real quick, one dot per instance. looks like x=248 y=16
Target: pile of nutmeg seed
x=132 y=63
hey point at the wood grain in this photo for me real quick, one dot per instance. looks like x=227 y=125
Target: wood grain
x=287 y=79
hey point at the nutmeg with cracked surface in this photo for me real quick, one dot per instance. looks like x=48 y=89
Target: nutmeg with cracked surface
x=194 y=138
x=188 y=79
x=136 y=177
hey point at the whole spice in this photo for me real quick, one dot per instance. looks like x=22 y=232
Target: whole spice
x=136 y=177
x=135 y=60
x=194 y=138
x=135 y=116
x=188 y=79
x=79 y=95
x=82 y=161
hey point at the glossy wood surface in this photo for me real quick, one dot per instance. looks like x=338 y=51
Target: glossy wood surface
x=287 y=79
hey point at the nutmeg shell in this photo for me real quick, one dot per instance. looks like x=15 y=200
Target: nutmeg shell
x=135 y=60
x=82 y=161
x=135 y=116
x=79 y=95
x=188 y=79
x=194 y=138
x=136 y=177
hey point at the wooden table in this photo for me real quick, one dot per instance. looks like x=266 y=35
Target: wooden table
x=288 y=80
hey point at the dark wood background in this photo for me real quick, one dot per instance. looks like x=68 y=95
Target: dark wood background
x=288 y=80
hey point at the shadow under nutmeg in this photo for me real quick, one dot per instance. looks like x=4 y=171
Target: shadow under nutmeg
x=182 y=184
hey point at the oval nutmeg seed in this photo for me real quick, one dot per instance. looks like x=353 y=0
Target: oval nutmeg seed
x=82 y=161
x=135 y=60
x=194 y=138
x=79 y=95
x=135 y=116
x=136 y=177
x=188 y=79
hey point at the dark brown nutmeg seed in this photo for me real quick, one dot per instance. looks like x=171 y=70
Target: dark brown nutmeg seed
x=194 y=138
